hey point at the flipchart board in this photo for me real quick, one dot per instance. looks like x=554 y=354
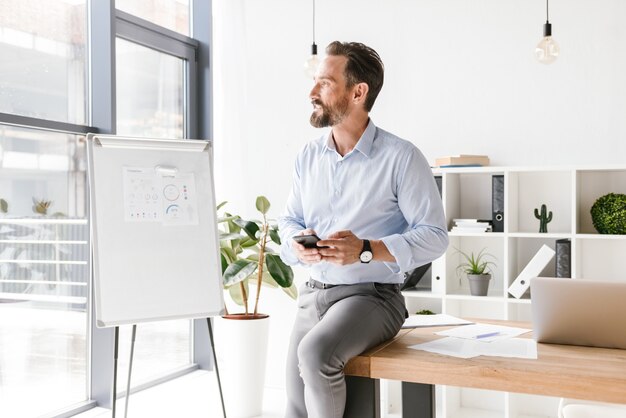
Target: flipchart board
x=154 y=230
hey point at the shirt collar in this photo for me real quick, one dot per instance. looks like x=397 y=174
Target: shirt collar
x=364 y=145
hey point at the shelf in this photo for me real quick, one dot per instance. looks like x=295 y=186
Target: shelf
x=601 y=237
x=476 y=234
x=568 y=192
x=522 y=301
x=475 y=298
x=555 y=235
x=420 y=294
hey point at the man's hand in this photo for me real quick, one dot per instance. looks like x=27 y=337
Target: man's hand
x=343 y=248
x=306 y=255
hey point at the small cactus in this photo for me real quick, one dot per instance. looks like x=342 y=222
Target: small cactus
x=41 y=206
x=543 y=218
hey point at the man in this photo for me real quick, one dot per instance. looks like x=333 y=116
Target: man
x=373 y=200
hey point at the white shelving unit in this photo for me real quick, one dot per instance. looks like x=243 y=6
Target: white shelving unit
x=569 y=192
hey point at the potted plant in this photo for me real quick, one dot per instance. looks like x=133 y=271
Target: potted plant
x=248 y=263
x=478 y=270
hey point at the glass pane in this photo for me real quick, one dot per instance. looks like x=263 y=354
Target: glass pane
x=43 y=50
x=149 y=92
x=43 y=271
x=171 y=14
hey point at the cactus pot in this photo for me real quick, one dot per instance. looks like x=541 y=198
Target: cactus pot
x=479 y=284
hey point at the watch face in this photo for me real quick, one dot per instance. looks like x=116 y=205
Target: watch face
x=366 y=256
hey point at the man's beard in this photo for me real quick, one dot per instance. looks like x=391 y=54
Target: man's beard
x=330 y=115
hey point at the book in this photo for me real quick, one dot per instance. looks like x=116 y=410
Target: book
x=471 y=225
x=462 y=160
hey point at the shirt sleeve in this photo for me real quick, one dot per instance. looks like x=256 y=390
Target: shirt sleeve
x=291 y=222
x=426 y=238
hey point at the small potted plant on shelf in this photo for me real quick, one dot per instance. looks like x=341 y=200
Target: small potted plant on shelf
x=478 y=270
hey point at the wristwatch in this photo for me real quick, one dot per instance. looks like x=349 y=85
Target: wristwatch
x=366 y=253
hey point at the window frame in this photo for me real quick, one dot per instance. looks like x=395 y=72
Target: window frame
x=104 y=24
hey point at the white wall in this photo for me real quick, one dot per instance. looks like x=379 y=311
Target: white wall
x=460 y=78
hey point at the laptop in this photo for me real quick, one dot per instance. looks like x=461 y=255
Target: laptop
x=579 y=312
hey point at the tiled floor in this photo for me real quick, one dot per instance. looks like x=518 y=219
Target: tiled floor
x=194 y=395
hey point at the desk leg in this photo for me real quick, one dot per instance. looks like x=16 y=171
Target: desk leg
x=418 y=400
x=362 y=397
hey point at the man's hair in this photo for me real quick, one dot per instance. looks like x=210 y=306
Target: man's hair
x=364 y=66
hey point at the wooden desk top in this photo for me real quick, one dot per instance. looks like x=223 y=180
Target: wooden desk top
x=560 y=370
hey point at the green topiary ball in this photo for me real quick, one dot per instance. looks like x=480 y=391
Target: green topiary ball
x=608 y=214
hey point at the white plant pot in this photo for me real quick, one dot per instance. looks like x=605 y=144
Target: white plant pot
x=241 y=349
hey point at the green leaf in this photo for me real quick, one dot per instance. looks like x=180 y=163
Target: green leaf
x=262 y=204
x=279 y=271
x=227 y=236
x=292 y=291
x=238 y=271
x=268 y=280
x=247 y=242
x=232 y=226
x=274 y=235
x=225 y=219
x=250 y=228
x=229 y=253
x=253 y=257
x=236 y=295
x=4 y=206
x=224 y=262
x=221 y=205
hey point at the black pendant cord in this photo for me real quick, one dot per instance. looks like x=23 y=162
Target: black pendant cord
x=547 y=12
x=313 y=22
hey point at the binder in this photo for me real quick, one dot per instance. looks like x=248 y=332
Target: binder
x=532 y=269
x=563 y=265
x=497 y=202
x=438 y=180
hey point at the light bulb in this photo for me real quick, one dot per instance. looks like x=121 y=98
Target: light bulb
x=310 y=65
x=547 y=49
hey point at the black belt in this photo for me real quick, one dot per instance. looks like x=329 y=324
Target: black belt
x=314 y=284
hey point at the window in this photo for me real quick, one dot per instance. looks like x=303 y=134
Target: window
x=43 y=271
x=152 y=102
x=150 y=90
x=44 y=55
x=51 y=357
x=171 y=14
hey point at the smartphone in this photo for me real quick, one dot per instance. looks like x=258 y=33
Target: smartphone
x=309 y=241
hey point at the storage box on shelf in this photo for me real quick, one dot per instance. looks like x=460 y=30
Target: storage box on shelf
x=569 y=193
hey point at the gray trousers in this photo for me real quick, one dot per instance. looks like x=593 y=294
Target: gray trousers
x=332 y=326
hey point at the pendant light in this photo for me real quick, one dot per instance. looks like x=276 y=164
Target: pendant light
x=310 y=65
x=547 y=50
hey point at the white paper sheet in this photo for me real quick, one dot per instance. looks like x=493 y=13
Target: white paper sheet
x=437 y=320
x=484 y=332
x=150 y=196
x=466 y=348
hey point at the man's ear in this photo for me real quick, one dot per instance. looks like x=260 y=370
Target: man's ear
x=359 y=93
